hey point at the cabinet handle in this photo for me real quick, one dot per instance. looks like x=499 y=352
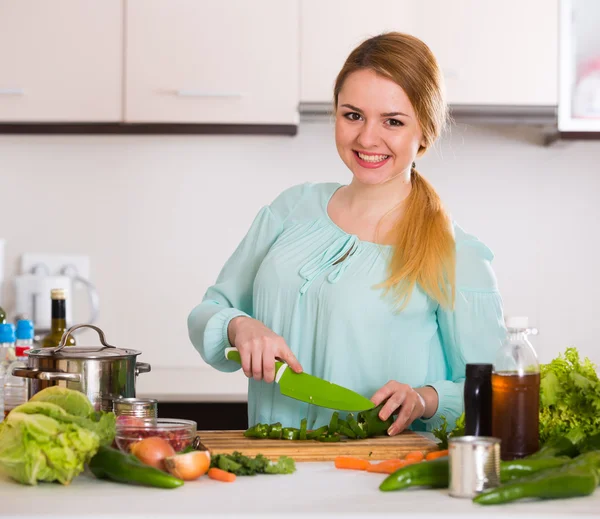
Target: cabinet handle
x=12 y=91
x=202 y=93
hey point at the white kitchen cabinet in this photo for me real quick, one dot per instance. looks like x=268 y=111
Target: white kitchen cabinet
x=217 y=61
x=329 y=30
x=495 y=53
x=579 y=106
x=61 y=60
x=491 y=53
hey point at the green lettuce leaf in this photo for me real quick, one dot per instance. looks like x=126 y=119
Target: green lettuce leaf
x=103 y=424
x=569 y=397
x=42 y=440
x=73 y=402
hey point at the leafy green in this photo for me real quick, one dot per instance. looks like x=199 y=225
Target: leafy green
x=241 y=465
x=569 y=397
x=442 y=433
x=41 y=441
x=73 y=402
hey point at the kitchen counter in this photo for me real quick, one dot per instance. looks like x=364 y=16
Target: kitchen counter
x=316 y=490
x=204 y=384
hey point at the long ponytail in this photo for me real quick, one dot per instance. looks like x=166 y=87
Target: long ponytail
x=424 y=251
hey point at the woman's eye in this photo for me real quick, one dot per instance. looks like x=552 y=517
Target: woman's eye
x=352 y=116
x=395 y=122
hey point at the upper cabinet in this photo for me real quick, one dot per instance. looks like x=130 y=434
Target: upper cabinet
x=495 y=53
x=61 y=60
x=330 y=30
x=491 y=53
x=579 y=106
x=226 y=61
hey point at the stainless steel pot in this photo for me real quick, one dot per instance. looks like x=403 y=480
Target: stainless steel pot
x=102 y=374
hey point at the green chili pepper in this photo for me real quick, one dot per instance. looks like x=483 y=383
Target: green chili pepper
x=371 y=423
x=317 y=433
x=250 y=432
x=562 y=446
x=302 y=435
x=353 y=424
x=525 y=467
x=331 y=438
x=290 y=433
x=346 y=431
x=433 y=474
x=553 y=484
x=333 y=424
x=109 y=463
x=262 y=430
x=275 y=431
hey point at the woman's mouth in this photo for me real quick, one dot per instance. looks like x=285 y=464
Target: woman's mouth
x=370 y=160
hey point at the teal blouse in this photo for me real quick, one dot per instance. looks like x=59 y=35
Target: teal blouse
x=340 y=328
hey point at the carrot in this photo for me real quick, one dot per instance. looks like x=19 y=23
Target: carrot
x=349 y=462
x=414 y=456
x=434 y=455
x=221 y=475
x=387 y=466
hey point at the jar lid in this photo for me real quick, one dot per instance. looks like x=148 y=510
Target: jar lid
x=123 y=405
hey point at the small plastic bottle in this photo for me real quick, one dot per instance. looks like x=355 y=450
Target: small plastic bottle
x=7 y=354
x=15 y=388
x=516 y=393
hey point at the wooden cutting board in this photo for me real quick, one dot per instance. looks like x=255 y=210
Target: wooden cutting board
x=379 y=448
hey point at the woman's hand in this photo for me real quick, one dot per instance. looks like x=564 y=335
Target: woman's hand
x=259 y=347
x=412 y=403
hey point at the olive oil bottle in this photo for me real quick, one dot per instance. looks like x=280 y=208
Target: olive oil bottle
x=59 y=321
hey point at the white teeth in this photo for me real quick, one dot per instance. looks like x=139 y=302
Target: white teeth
x=372 y=158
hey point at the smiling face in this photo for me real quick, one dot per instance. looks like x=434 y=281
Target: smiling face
x=376 y=130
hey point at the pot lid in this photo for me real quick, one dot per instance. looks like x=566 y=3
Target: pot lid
x=83 y=352
x=106 y=351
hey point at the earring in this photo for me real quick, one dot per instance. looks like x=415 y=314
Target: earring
x=414 y=165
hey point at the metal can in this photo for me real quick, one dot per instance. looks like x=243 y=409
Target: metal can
x=474 y=465
x=138 y=407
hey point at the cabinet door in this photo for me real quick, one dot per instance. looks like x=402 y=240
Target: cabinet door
x=495 y=53
x=217 y=61
x=61 y=60
x=331 y=29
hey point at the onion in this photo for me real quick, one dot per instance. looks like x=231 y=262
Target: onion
x=188 y=466
x=152 y=451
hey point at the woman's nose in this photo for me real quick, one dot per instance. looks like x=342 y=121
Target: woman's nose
x=368 y=136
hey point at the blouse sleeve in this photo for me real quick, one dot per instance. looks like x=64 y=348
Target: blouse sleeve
x=472 y=332
x=231 y=296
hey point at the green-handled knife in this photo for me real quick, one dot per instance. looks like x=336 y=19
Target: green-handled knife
x=311 y=389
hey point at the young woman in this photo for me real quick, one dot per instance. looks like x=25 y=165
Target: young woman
x=369 y=285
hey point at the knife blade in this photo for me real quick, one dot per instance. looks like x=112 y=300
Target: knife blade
x=312 y=390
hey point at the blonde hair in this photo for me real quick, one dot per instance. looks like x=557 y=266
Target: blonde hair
x=424 y=248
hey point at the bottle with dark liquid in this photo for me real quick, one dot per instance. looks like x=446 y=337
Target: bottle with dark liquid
x=59 y=321
x=516 y=393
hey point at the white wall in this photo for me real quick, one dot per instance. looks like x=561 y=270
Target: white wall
x=160 y=214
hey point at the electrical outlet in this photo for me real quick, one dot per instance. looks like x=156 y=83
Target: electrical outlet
x=52 y=264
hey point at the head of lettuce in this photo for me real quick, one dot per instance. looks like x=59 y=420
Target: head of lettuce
x=52 y=436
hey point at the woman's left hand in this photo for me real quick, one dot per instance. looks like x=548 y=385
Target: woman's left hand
x=411 y=403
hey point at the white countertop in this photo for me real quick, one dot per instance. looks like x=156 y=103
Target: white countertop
x=204 y=384
x=315 y=490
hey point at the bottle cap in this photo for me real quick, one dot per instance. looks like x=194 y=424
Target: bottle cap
x=24 y=329
x=58 y=293
x=479 y=370
x=7 y=332
x=517 y=323
x=21 y=350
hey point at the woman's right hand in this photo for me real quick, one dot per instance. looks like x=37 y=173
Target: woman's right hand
x=259 y=347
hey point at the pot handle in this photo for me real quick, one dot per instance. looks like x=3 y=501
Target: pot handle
x=65 y=337
x=142 y=367
x=49 y=376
